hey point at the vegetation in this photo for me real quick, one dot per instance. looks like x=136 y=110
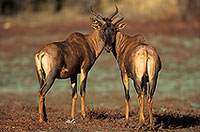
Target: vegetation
x=157 y=9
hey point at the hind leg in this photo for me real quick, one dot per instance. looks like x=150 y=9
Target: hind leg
x=152 y=87
x=42 y=92
x=74 y=94
x=144 y=85
x=42 y=111
x=125 y=81
x=139 y=91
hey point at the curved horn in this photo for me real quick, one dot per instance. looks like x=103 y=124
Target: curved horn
x=115 y=13
x=95 y=14
x=96 y=21
x=118 y=21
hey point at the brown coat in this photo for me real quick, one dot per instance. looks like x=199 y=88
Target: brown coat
x=128 y=49
x=140 y=62
x=65 y=59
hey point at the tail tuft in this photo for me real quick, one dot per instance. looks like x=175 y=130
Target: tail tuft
x=39 y=68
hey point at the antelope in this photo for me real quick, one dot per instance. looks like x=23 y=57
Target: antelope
x=136 y=59
x=66 y=59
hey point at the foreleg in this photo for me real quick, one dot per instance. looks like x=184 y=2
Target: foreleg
x=83 y=79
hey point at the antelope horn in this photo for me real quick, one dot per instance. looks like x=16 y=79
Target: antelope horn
x=95 y=14
x=115 y=18
x=115 y=13
x=118 y=21
x=95 y=21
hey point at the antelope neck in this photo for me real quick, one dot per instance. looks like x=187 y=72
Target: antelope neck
x=95 y=42
x=120 y=44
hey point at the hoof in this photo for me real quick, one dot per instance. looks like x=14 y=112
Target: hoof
x=151 y=127
x=126 y=123
x=70 y=121
x=141 y=126
x=83 y=116
x=42 y=120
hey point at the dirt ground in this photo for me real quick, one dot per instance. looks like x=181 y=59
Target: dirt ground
x=176 y=105
x=19 y=113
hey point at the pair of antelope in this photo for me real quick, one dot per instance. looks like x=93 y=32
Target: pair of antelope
x=78 y=53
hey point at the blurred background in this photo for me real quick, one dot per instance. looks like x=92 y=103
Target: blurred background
x=147 y=9
x=172 y=26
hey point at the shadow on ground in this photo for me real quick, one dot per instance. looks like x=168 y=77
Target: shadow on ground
x=176 y=122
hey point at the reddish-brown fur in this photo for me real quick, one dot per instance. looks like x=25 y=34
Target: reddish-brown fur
x=77 y=54
x=137 y=60
x=141 y=63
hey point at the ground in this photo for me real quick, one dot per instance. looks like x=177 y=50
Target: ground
x=19 y=113
x=176 y=104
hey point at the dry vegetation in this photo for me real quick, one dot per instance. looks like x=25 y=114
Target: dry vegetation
x=133 y=9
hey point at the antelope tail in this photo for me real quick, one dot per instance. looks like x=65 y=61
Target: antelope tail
x=39 y=68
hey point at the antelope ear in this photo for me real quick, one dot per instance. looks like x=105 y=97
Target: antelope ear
x=121 y=26
x=96 y=26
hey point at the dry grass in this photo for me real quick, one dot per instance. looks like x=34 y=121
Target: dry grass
x=131 y=9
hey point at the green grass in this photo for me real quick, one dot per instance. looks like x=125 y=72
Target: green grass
x=179 y=74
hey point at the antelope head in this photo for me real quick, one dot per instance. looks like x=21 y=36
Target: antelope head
x=107 y=27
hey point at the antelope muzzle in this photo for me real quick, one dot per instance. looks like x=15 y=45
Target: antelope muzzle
x=108 y=42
